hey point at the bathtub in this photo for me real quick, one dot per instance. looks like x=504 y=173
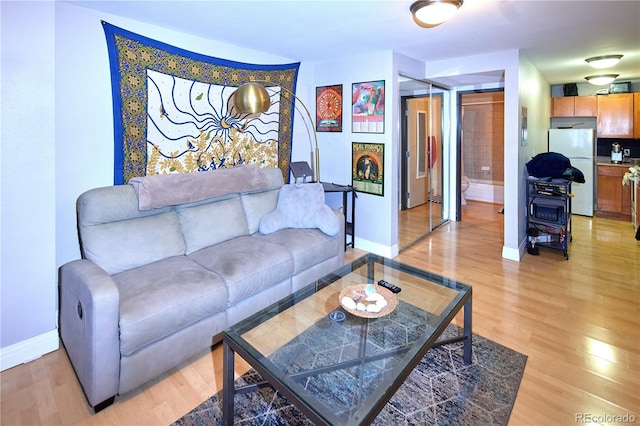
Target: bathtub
x=486 y=191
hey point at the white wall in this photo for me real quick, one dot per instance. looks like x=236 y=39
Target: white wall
x=535 y=96
x=28 y=270
x=514 y=205
x=57 y=142
x=375 y=217
x=84 y=118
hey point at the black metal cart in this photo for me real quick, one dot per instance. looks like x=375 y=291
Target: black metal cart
x=548 y=214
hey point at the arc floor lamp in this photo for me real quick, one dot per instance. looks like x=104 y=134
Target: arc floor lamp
x=253 y=98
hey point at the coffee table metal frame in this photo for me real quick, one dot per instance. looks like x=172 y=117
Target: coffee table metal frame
x=233 y=342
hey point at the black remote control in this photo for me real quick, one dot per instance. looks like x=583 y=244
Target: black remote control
x=389 y=286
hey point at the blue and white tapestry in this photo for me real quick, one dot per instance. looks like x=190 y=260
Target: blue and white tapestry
x=172 y=112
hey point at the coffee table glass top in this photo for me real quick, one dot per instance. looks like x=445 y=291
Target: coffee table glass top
x=342 y=367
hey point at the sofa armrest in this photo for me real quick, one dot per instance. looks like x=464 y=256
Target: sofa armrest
x=89 y=317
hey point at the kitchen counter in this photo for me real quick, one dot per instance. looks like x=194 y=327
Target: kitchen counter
x=605 y=160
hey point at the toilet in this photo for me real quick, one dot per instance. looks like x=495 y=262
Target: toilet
x=464 y=185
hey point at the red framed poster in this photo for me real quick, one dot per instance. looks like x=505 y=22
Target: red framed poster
x=329 y=108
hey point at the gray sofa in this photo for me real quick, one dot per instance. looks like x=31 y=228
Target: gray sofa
x=158 y=284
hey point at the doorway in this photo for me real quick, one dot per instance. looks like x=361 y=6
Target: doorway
x=423 y=192
x=481 y=148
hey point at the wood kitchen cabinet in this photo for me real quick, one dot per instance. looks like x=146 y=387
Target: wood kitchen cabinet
x=615 y=116
x=614 y=200
x=636 y=115
x=574 y=106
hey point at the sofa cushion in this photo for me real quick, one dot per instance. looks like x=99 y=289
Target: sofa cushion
x=308 y=246
x=209 y=224
x=127 y=244
x=160 y=298
x=301 y=206
x=248 y=265
x=258 y=205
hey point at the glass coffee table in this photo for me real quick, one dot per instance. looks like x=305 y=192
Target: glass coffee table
x=340 y=364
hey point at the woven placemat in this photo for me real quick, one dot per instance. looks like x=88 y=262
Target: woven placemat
x=356 y=291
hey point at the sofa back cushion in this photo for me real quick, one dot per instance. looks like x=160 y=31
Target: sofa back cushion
x=117 y=236
x=127 y=244
x=258 y=204
x=209 y=224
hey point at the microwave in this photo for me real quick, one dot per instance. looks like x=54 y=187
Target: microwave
x=547 y=212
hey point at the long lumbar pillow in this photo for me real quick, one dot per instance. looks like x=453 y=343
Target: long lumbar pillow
x=157 y=191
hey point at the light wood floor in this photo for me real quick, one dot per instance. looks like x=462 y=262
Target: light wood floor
x=413 y=223
x=577 y=320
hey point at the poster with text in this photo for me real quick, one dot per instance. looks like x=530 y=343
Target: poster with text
x=367 y=108
x=329 y=108
x=368 y=167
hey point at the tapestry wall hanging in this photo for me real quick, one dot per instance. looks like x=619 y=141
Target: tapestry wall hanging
x=174 y=113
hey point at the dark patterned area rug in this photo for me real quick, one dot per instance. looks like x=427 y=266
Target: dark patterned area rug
x=442 y=390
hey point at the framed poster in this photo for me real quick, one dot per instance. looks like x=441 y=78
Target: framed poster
x=329 y=108
x=523 y=139
x=368 y=167
x=367 y=107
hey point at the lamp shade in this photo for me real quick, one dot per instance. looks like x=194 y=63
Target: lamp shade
x=431 y=13
x=605 y=61
x=251 y=98
x=602 y=79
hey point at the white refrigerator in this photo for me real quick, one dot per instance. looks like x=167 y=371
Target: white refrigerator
x=579 y=146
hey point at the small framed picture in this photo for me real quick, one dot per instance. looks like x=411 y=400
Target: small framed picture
x=367 y=107
x=368 y=167
x=329 y=108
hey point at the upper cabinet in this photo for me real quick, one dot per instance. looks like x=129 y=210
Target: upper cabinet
x=574 y=106
x=636 y=115
x=615 y=116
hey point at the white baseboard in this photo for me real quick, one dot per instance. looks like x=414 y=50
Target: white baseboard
x=513 y=253
x=28 y=350
x=377 y=248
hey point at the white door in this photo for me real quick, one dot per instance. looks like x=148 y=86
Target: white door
x=417 y=187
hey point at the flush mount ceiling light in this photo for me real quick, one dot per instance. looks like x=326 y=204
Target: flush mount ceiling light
x=605 y=61
x=602 y=79
x=431 y=13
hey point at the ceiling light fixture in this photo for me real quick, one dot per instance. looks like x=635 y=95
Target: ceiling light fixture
x=601 y=79
x=605 y=61
x=431 y=13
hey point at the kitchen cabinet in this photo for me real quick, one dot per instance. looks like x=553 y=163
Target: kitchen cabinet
x=615 y=116
x=614 y=200
x=636 y=115
x=574 y=106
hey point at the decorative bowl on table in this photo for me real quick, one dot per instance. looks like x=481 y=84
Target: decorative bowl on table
x=367 y=300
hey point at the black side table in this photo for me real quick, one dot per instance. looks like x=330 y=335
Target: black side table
x=349 y=224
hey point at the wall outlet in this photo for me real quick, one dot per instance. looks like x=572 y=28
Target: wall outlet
x=626 y=152
x=486 y=169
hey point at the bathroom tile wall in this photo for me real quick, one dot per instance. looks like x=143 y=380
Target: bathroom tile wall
x=483 y=136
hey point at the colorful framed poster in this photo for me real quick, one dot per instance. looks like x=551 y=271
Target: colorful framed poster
x=367 y=108
x=329 y=108
x=368 y=167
